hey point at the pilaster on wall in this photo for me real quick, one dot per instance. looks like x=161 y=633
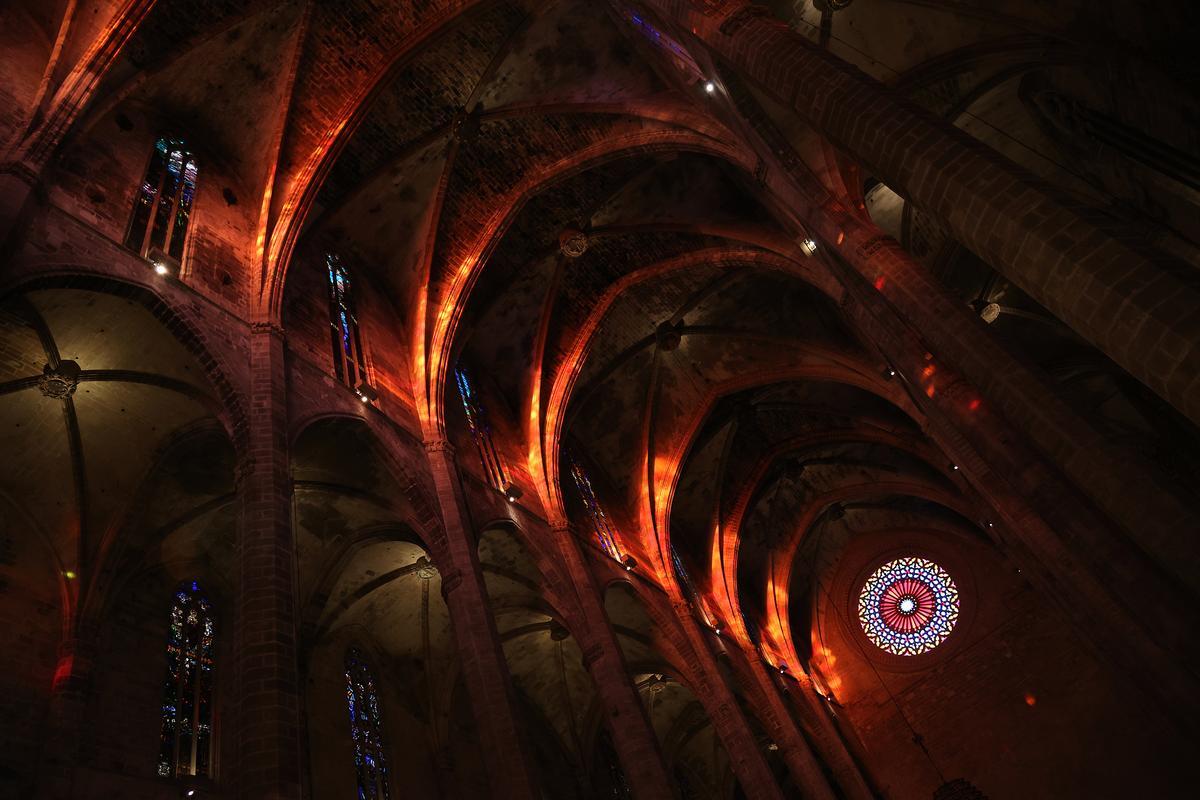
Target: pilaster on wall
x=64 y=725
x=268 y=704
x=633 y=738
x=485 y=671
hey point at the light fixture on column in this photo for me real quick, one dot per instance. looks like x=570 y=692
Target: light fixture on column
x=783 y=668
x=366 y=393
x=512 y=493
x=809 y=246
x=710 y=87
x=629 y=562
x=889 y=373
x=717 y=625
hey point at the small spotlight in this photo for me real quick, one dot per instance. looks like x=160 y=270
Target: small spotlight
x=710 y=87
x=629 y=561
x=160 y=268
x=889 y=373
x=954 y=467
x=809 y=246
x=70 y=575
x=366 y=393
x=783 y=668
x=772 y=747
x=512 y=493
x=190 y=793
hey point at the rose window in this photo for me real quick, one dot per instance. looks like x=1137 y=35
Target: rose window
x=908 y=606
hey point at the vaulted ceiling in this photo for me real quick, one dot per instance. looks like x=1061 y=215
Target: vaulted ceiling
x=547 y=192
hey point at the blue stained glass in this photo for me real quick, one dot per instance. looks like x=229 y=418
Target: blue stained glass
x=366 y=728
x=349 y=361
x=605 y=533
x=681 y=575
x=164 y=202
x=185 y=740
x=493 y=467
x=908 y=606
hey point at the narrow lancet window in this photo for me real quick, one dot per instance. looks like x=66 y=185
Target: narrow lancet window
x=604 y=530
x=349 y=359
x=164 y=202
x=682 y=576
x=481 y=432
x=366 y=728
x=185 y=743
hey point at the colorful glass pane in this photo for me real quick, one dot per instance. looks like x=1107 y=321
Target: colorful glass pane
x=164 y=203
x=605 y=534
x=908 y=606
x=349 y=359
x=681 y=575
x=493 y=467
x=366 y=728
x=185 y=741
x=679 y=55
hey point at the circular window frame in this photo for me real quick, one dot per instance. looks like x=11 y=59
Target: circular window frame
x=874 y=552
x=939 y=605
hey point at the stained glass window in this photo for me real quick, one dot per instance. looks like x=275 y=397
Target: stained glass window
x=605 y=533
x=366 y=728
x=185 y=744
x=349 y=359
x=679 y=55
x=480 y=431
x=682 y=576
x=164 y=202
x=908 y=606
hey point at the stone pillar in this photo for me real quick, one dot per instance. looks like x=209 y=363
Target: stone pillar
x=746 y=759
x=485 y=671
x=797 y=754
x=267 y=705
x=69 y=697
x=633 y=737
x=820 y=730
x=1136 y=312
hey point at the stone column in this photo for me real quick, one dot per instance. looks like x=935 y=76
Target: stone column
x=267 y=707
x=633 y=738
x=825 y=738
x=746 y=759
x=485 y=671
x=1139 y=314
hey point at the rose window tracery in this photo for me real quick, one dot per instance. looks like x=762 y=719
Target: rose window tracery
x=908 y=606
